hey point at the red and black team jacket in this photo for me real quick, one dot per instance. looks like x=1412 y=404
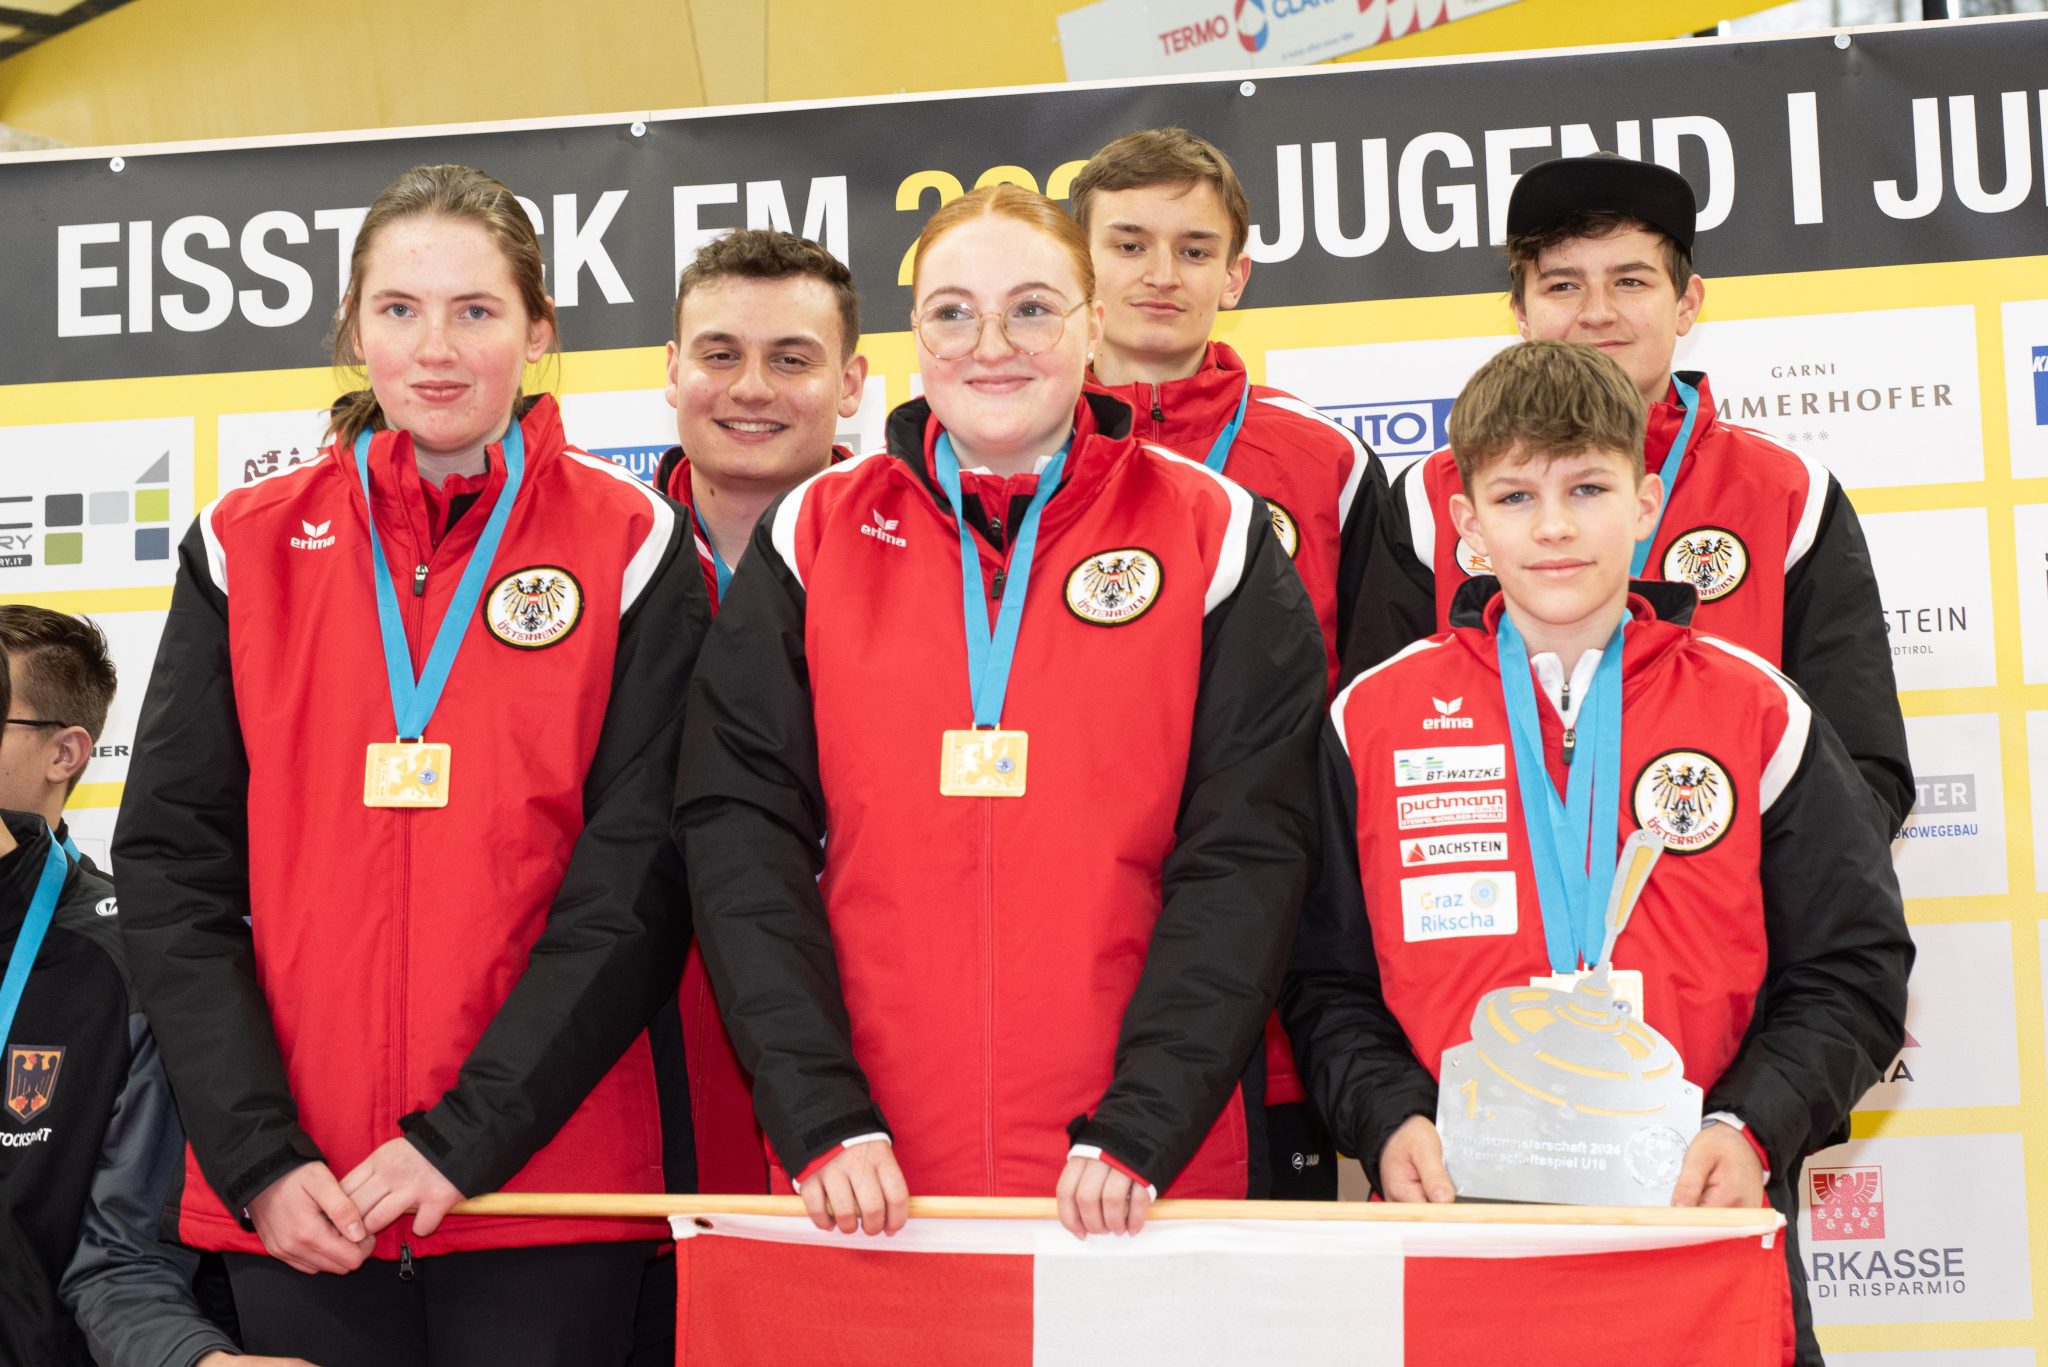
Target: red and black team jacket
x=993 y=979
x=1771 y=937
x=1323 y=487
x=1768 y=541
x=727 y=1151
x=324 y=975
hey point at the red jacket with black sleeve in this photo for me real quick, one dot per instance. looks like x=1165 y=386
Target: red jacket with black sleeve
x=1323 y=487
x=1766 y=537
x=1771 y=937
x=324 y=975
x=990 y=980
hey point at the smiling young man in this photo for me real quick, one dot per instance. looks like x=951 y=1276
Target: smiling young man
x=1167 y=222
x=764 y=364
x=1600 y=252
x=1770 y=938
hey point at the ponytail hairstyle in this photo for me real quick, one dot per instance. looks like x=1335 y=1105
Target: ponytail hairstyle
x=457 y=192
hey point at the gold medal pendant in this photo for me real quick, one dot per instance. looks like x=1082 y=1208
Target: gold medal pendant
x=406 y=773
x=983 y=763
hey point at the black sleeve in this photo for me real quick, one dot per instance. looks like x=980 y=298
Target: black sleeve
x=750 y=813
x=1833 y=1009
x=1244 y=840
x=1354 y=545
x=183 y=849
x=612 y=949
x=1354 y=1057
x=130 y=1292
x=1395 y=602
x=1837 y=649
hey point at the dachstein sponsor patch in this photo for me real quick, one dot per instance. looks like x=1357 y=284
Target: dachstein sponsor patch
x=1453 y=849
x=1451 y=906
x=1450 y=764
x=1474 y=807
x=535 y=607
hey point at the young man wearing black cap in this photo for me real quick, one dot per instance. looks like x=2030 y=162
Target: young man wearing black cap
x=1600 y=251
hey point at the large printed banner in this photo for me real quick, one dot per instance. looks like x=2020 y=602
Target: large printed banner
x=1874 y=233
x=761 y=1291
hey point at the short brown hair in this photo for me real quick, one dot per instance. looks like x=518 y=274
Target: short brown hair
x=1546 y=399
x=771 y=254
x=1524 y=250
x=458 y=192
x=1164 y=156
x=1009 y=201
x=67 y=674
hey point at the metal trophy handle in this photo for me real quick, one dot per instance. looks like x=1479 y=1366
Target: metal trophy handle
x=1639 y=854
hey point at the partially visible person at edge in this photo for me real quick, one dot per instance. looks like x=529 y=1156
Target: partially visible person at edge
x=390 y=832
x=1167 y=223
x=1050 y=692
x=1599 y=251
x=1769 y=943
x=132 y=1295
x=764 y=364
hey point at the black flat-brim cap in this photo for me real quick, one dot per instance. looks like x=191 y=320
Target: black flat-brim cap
x=1552 y=191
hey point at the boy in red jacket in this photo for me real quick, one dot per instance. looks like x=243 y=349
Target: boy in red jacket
x=1478 y=785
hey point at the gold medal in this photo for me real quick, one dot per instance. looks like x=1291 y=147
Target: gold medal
x=983 y=762
x=406 y=773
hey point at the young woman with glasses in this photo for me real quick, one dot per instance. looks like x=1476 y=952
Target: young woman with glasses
x=992 y=794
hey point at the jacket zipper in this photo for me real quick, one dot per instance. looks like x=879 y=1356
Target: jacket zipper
x=988 y=986
x=1571 y=733
x=1158 y=408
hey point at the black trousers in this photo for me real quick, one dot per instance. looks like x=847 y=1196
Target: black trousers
x=1303 y=1160
x=570 y=1305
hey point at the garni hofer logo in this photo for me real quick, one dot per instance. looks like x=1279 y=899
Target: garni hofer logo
x=1252 y=28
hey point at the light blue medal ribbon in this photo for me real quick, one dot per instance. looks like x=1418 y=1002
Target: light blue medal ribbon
x=71 y=849
x=42 y=909
x=413 y=701
x=1689 y=398
x=1227 y=438
x=719 y=568
x=990 y=654
x=1571 y=843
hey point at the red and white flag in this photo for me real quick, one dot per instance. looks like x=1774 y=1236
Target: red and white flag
x=1024 y=1293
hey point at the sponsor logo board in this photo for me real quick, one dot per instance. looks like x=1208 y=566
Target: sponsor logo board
x=1395 y=395
x=2030 y=554
x=2023 y=345
x=93 y=505
x=1927 y=1229
x=1962 y=1046
x=1953 y=844
x=1885 y=397
x=253 y=446
x=1934 y=577
x=131 y=641
x=2037 y=787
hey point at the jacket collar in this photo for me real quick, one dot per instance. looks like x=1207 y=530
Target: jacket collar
x=395 y=478
x=1187 y=412
x=26 y=868
x=1666 y=416
x=1102 y=426
x=1478 y=604
x=672 y=473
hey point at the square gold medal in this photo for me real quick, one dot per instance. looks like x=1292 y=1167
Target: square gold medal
x=406 y=773
x=984 y=763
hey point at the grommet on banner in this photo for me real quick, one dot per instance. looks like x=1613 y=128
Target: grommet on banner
x=639 y=128
x=1842 y=40
x=1248 y=88
x=118 y=165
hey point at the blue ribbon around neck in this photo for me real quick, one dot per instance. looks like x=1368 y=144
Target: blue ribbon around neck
x=42 y=909
x=1220 y=452
x=1572 y=842
x=1689 y=399
x=722 y=570
x=991 y=654
x=413 y=701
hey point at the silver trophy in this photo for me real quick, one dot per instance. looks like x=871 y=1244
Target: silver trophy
x=1569 y=1097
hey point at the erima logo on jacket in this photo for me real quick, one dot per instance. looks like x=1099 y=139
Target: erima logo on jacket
x=883 y=529
x=1447 y=718
x=318 y=537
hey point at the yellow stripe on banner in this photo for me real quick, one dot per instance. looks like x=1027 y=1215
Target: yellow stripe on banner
x=88 y=601
x=97 y=795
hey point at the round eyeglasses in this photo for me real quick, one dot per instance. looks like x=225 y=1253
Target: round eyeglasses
x=950 y=331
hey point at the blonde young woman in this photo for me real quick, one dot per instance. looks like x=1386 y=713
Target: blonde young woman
x=993 y=780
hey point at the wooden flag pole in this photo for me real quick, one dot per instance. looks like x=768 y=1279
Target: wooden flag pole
x=604 y=1206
